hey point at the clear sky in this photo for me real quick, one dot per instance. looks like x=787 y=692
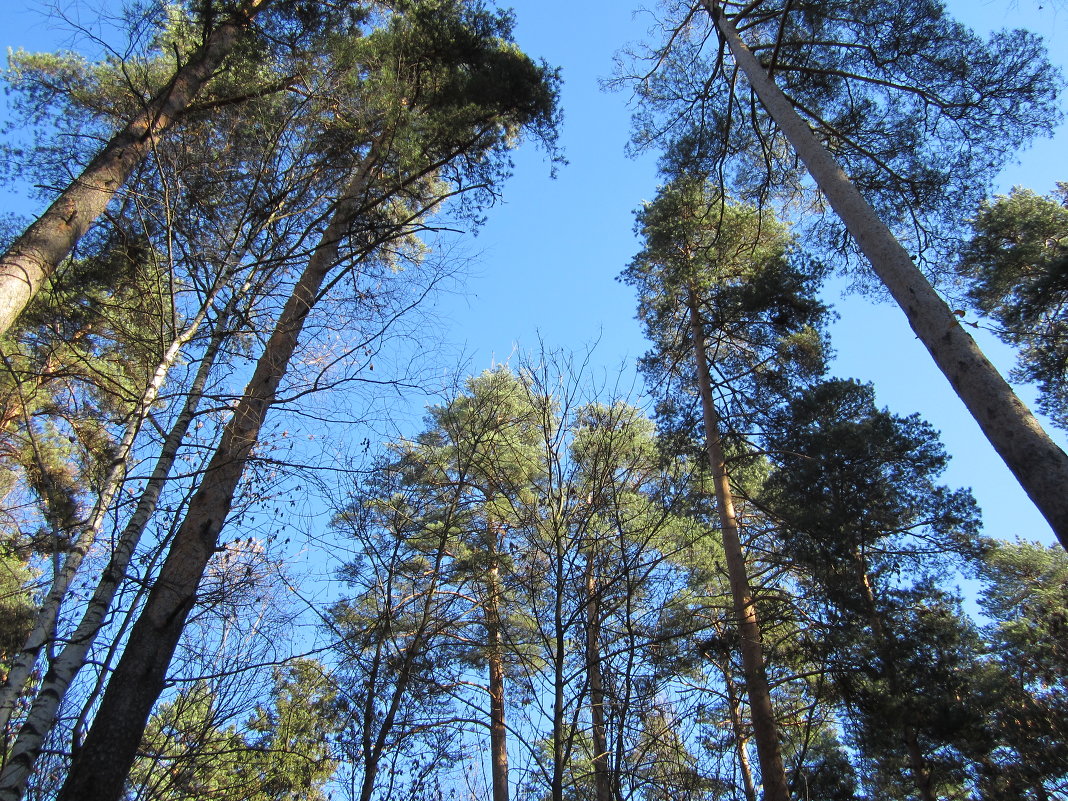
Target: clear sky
x=545 y=264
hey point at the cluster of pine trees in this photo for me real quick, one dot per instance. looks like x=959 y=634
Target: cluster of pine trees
x=745 y=590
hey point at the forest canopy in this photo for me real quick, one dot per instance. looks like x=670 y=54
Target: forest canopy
x=266 y=534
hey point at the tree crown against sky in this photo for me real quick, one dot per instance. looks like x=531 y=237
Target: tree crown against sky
x=914 y=106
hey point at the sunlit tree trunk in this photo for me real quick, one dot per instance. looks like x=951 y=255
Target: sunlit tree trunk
x=35 y=254
x=765 y=731
x=1038 y=463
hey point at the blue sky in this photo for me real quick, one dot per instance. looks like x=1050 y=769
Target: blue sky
x=545 y=264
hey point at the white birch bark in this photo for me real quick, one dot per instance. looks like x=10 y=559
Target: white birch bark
x=44 y=626
x=64 y=668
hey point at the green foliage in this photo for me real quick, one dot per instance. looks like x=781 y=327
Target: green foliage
x=861 y=512
x=1026 y=595
x=192 y=750
x=915 y=107
x=753 y=290
x=73 y=369
x=17 y=608
x=1016 y=264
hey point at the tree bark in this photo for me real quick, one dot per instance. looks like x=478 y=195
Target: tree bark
x=65 y=667
x=100 y=767
x=495 y=641
x=602 y=778
x=765 y=731
x=35 y=255
x=1038 y=463
x=45 y=623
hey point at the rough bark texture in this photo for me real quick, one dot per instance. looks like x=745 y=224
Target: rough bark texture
x=34 y=256
x=70 y=660
x=100 y=766
x=765 y=731
x=44 y=626
x=1038 y=463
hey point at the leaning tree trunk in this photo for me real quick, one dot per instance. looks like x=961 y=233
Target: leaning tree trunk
x=765 y=731
x=98 y=771
x=1038 y=463
x=48 y=614
x=34 y=256
x=65 y=667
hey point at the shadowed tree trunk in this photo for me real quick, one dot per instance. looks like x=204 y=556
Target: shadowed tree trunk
x=65 y=666
x=100 y=766
x=44 y=628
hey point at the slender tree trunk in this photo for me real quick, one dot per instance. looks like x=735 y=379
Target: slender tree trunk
x=1038 y=463
x=602 y=777
x=374 y=746
x=63 y=669
x=99 y=770
x=495 y=641
x=34 y=256
x=44 y=625
x=765 y=731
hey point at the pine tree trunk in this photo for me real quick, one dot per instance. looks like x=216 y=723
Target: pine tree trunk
x=65 y=667
x=1038 y=463
x=35 y=255
x=495 y=641
x=100 y=767
x=602 y=778
x=765 y=731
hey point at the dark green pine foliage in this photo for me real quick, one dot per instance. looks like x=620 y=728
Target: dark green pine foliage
x=914 y=106
x=1016 y=266
x=869 y=532
x=755 y=291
